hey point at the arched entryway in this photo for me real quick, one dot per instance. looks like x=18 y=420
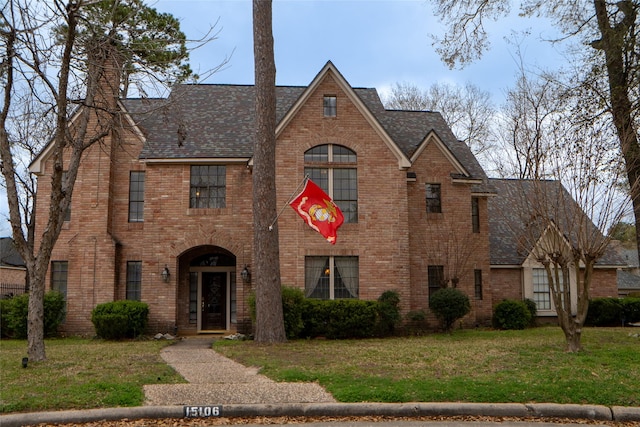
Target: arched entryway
x=208 y=289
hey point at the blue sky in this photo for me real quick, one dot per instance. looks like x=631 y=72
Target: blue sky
x=374 y=43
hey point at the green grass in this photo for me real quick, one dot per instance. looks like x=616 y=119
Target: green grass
x=467 y=366
x=80 y=373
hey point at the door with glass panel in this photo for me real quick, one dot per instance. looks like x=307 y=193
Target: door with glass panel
x=214 y=301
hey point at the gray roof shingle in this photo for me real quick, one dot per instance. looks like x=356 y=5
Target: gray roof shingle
x=9 y=255
x=216 y=121
x=508 y=218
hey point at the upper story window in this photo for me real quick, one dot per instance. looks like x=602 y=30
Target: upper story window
x=434 y=201
x=67 y=213
x=208 y=186
x=475 y=214
x=136 y=196
x=332 y=168
x=330 y=104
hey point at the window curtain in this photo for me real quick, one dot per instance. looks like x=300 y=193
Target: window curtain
x=314 y=267
x=348 y=269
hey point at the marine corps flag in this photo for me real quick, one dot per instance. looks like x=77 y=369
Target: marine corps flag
x=318 y=211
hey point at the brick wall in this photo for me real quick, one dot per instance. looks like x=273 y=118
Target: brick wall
x=447 y=238
x=380 y=238
x=394 y=239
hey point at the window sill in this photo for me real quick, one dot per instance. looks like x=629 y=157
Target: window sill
x=204 y=211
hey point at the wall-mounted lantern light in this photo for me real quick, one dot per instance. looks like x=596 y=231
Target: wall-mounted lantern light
x=165 y=274
x=245 y=274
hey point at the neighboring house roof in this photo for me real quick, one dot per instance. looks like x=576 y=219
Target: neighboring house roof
x=9 y=256
x=508 y=220
x=628 y=280
x=630 y=255
x=206 y=121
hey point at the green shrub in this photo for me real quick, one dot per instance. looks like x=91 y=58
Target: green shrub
x=416 y=322
x=15 y=312
x=292 y=306
x=388 y=313
x=604 y=312
x=351 y=318
x=339 y=319
x=533 y=310
x=511 y=314
x=449 y=305
x=120 y=319
x=292 y=309
x=315 y=318
x=631 y=309
x=54 y=312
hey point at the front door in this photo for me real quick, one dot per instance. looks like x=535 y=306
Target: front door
x=214 y=301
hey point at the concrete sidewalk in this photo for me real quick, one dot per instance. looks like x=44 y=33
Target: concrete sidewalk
x=217 y=380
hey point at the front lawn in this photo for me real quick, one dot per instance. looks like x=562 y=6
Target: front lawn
x=467 y=366
x=80 y=373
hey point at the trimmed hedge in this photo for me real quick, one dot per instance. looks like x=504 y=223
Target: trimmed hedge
x=335 y=319
x=120 y=319
x=15 y=311
x=511 y=314
x=613 y=311
x=339 y=319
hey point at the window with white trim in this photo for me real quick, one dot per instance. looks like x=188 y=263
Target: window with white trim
x=541 y=289
x=331 y=277
x=333 y=168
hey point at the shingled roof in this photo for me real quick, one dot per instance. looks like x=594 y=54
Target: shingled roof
x=507 y=219
x=9 y=256
x=216 y=121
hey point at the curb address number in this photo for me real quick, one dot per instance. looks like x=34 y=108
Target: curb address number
x=202 y=411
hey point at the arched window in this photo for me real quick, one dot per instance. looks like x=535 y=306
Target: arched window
x=333 y=168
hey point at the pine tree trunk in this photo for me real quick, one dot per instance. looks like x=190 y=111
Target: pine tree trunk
x=269 y=317
x=615 y=49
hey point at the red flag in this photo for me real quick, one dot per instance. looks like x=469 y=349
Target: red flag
x=318 y=211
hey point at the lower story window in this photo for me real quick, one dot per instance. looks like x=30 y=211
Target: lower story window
x=331 y=277
x=541 y=291
x=477 y=279
x=59 y=272
x=435 y=278
x=134 y=280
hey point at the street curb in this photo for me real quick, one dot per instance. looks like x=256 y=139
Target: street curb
x=529 y=410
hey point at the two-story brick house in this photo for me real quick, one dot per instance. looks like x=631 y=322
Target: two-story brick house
x=162 y=209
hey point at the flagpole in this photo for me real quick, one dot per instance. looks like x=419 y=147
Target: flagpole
x=304 y=180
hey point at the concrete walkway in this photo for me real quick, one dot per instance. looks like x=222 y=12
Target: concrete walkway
x=217 y=380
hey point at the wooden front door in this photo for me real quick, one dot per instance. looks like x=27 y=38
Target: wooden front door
x=214 y=301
